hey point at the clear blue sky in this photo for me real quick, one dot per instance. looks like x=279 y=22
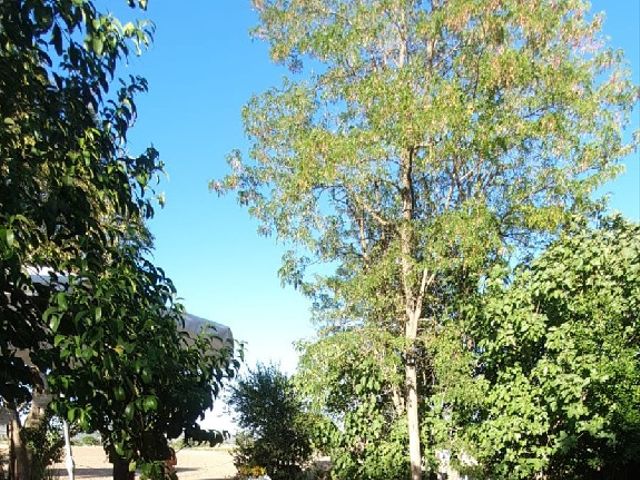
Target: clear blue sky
x=201 y=69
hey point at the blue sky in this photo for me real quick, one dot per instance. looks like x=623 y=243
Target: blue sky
x=202 y=69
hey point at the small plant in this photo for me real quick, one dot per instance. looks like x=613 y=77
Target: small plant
x=246 y=472
x=50 y=474
x=91 y=440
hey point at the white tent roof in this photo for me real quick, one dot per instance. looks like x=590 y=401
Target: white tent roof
x=222 y=334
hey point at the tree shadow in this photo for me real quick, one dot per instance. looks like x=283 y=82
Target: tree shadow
x=89 y=472
x=85 y=472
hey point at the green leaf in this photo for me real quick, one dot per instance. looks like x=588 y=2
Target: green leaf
x=7 y=234
x=47 y=313
x=146 y=376
x=119 y=393
x=150 y=403
x=54 y=322
x=97 y=44
x=61 y=299
x=119 y=448
x=56 y=39
x=129 y=411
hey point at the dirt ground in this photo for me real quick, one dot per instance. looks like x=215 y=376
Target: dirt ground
x=193 y=464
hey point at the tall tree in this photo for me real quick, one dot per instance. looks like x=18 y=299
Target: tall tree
x=423 y=140
x=69 y=191
x=73 y=206
x=120 y=365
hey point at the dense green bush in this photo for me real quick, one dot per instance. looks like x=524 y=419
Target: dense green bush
x=275 y=435
x=558 y=347
x=91 y=440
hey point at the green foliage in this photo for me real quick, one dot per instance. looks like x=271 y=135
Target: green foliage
x=70 y=193
x=453 y=394
x=151 y=381
x=558 y=347
x=46 y=442
x=275 y=427
x=353 y=386
x=89 y=440
x=426 y=143
x=178 y=444
x=73 y=207
x=245 y=472
x=499 y=143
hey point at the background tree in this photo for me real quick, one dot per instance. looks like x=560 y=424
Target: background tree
x=136 y=378
x=46 y=443
x=275 y=432
x=559 y=361
x=78 y=293
x=430 y=139
x=351 y=384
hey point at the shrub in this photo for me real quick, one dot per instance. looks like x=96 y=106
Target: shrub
x=91 y=440
x=271 y=415
x=245 y=472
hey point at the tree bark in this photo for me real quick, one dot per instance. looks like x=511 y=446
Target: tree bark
x=413 y=309
x=413 y=420
x=121 y=469
x=20 y=466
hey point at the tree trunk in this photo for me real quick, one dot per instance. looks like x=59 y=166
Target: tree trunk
x=20 y=467
x=121 y=469
x=36 y=417
x=413 y=310
x=413 y=422
x=411 y=386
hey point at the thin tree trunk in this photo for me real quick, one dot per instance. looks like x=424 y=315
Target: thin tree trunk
x=20 y=465
x=413 y=420
x=413 y=309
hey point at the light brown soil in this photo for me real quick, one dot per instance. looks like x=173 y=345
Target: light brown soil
x=193 y=464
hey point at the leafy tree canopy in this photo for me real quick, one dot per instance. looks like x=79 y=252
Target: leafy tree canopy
x=78 y=292
x=559 y=354
x=275 y=434
x=352 y=384
x=70 y=192
x=424 y=142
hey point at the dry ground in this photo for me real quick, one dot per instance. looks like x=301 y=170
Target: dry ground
x=193 y=464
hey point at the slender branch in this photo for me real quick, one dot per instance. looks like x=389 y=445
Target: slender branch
x=425 y=283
